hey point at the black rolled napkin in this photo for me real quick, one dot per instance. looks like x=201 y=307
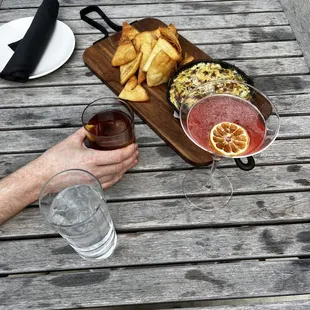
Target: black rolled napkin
x=31 y=48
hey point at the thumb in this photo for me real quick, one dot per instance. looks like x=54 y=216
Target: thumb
x=80 y=134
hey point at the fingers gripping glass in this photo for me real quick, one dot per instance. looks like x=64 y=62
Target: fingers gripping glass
x=227 y=119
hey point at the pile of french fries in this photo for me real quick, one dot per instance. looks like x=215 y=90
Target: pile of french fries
x=153 y=55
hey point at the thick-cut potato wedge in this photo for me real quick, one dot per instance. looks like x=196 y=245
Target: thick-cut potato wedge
x=129 y=69
x=125 y=52
x=160 y=70
x=133 y=91
x=128 y=31
x=164 y=46
x=146 y=50
x=142 y=38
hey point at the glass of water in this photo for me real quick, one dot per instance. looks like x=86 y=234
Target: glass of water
x=73 y=202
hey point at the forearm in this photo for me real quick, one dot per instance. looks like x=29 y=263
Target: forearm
x=20 y=189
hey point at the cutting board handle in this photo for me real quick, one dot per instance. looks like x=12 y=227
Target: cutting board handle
x=88 y=20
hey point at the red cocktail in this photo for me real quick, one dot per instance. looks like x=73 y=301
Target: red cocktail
x=220 y=108
x=227 y=119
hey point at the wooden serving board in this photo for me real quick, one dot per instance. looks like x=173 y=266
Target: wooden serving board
x=156 y=112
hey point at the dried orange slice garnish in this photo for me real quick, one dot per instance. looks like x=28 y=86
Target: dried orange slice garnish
x=229 y=139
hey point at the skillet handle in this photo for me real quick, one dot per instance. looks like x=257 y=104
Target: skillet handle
x=95 y=8
x=246 y=166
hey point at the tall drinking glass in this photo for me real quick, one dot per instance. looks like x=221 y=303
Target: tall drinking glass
x=73 y=202
x=228 y=119
x=109 y=123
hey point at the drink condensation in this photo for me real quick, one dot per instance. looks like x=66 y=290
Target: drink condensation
x=81 y=216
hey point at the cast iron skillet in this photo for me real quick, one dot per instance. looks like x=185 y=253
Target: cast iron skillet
x=250 y=160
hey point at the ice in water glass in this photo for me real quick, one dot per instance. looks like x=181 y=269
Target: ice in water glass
x=73 y=202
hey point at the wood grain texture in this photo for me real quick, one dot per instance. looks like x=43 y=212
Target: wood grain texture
x=215 y=36
x=81 y=75
x=220 y=37
x=168 y=252
x=83 y=95
x=193 y=22
x=147 y=248
x=164 y=158
x=158 y=9
x=287 y=305
x=297 y=12
x=35 y=3
x=169 y=184
x=257 y=67
x=197 y=22
x=36 y=140
x=151 y=285
x=171 y=213
x=262 y=50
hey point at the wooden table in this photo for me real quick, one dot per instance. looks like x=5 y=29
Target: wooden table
x=256 y=249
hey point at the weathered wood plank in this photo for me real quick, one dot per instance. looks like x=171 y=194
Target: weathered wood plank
x=197 y=21
x=82 y=95
x=162 y=286
x=194 y=22
x=57 y=95
x=153 y=285
x=256 y=67
x=279 y=66
x=252 y=50
x=70 y=116
x=57 y=116
x=260 y=34
x=228 y=51
x=275 y=85
x=158 y=9
x=41 y=139
x=286 y=305
x=163 y=157
x=297 y=12
x=17 y=4
x=8 y=4
x=176 y=213
x=215 y=36
x=146 y=248
x=35 y=140
x=169 y=184
x=83 y=76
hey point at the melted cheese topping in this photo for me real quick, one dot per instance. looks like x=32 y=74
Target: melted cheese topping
x=188 y=82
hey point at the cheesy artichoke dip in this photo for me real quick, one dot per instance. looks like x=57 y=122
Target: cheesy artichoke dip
x=188 y=82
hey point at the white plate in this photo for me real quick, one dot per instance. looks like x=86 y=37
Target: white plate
x=58 y=50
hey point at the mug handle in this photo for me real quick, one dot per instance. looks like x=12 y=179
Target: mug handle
x=245 y=166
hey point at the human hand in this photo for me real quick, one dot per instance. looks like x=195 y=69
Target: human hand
x=107 y=166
